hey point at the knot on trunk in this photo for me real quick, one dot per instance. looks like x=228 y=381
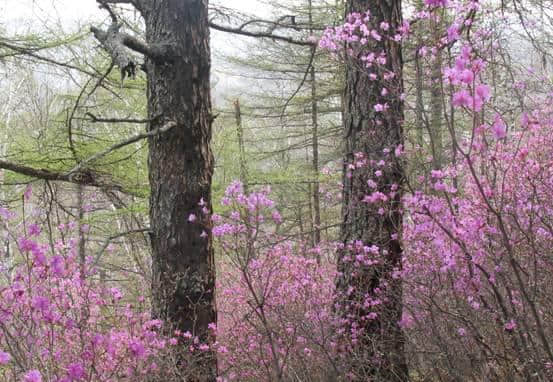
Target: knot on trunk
x=113 y=42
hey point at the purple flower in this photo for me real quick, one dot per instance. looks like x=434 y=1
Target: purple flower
x=499 y=129
x=75 y=371
x=137 y=349
x=28 y=192
x=4 y=358
x=34 y=230
x=32 y=376
x=462 y=98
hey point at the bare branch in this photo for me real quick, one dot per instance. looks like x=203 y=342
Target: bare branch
x=95 y=119
x=136 y=3
x=104 y=5
x=24 y=51
x=86 y=178
x=154 y=51
x=309 y=66
x=163 y=129
x=116 y=42
x=243 y=32
x=117 y=236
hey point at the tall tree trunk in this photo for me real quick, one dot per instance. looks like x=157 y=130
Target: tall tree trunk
x=436 y=103
x=241 y=147
x=180 y=169
x=378 y=352
x=315 y=143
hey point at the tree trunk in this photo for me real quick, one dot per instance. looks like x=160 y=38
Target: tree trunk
x=241 y=147
x=315 y=143
x=436 y=103
x=378 y=352
x=180 y=170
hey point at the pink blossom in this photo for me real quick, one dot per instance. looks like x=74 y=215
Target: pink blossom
x=34 y=229
x=32 y=376
x=436 y=3
x=137 y=349
x=28 y=192
x=462 y=98
x=466 y=76
x=4 y=358
x=75 y=371
x=499 y=128
x=511 y=325
x=453 y=33
x=483 y=91
x=276 y=217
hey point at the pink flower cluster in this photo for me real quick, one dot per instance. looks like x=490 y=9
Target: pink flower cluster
x=464 y=75
x=487 y=249
x=59 y=322
x=274 y=299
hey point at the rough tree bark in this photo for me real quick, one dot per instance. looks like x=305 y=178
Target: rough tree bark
x=180 y=161
x=181 y=167
x=379 y=353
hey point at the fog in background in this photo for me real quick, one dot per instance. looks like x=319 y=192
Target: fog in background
x=47 y=17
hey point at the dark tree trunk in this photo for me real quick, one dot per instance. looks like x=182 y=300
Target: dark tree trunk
x=241 y=147
x=436 y=105
x=181 y=166
x=315 y=143
x=378 y=353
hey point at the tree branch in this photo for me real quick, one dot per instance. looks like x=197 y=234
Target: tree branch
x=24 y=51
x=163 y=129
x=136 y=3
x=116 y=42
x=95 y=119
x=117 y=236
x=243 y=32
x=86 y=178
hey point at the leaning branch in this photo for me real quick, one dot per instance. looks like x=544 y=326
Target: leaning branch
x=117 y=43
x=138 y=4
x=243 y=32
x=95 y=119
x=160 y=130
x=85 y=178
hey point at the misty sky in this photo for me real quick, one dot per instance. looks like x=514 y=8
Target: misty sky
x=24 y=16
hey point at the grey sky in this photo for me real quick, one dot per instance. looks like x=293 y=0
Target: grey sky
x=24 y=16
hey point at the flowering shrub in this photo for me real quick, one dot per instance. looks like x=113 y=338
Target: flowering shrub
x=60 y=322
x=477 y=240
x=275 y=319
x=478 y=260
x=478 y=232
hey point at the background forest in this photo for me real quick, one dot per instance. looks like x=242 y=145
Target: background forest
x=301 y=190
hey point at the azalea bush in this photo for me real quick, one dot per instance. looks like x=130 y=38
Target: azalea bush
x=478 y=255
x=477 y=243
x=477 y=231
x=274 y=296
x=59 y=321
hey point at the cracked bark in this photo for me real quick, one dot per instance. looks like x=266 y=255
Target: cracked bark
x=379 y=353
x=180 y=169
x=180 y=163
